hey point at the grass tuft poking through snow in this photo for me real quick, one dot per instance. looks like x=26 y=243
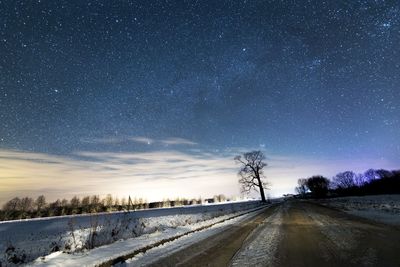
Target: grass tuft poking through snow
x=26 y=240
x=380 y=208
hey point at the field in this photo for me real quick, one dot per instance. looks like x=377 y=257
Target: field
x=351 y=231
x=381 y=208
x=26 y=240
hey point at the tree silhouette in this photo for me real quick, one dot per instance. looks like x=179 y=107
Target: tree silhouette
x=302 y=186
x=251 y=172
x=318 y=185
x=40 y=203
x=371 y=175
x=344 y=180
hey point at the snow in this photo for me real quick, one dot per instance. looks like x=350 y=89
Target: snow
x=380 y=208
x=185 y=235
x=341 y=233
x=26 y=240
x=169 y=248
x=260 y=247
x=342 y=238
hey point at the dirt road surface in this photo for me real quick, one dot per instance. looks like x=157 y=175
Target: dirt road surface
x=296 y=233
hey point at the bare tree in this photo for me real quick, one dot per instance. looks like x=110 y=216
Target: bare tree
x=123 y=203
x=301 y=188
x=94 y=203
x=382 y=173
x=344 y=180
x=64 y=202
x=318 y=185
x=13 y=204
x=251 y=172
x=360 y=180
x=371 y=175
x=40 y=202
x=27 y=204
x=75 y=202
x=85 y=201
x=108 y=201
x=56 y=204
x=85 y=204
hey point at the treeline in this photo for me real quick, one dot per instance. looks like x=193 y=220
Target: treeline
x=348 y=183
x=27 y=207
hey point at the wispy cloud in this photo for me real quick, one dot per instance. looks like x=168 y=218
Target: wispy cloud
x=172 y=141
x=141 y=139
x=153 y=175
x=177 y=141
x=109 y=140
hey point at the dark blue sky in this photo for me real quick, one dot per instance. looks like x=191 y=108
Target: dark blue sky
x=316 y=79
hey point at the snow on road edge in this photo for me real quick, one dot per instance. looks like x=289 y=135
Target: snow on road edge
x=167 y=249
x=120 y=249
x=24 y=241
x=260 y=247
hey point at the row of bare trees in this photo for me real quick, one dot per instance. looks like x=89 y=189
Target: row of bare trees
x=27 y=207
x=349 y=183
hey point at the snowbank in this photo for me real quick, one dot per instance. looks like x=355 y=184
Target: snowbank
x=25 y=240
x=381 y=208
x=147 y=248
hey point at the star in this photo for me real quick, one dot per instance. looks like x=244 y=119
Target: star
x=309 y=79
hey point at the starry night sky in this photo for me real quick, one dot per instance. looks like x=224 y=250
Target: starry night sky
x=316 y=80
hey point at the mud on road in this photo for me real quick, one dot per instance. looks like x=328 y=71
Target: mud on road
x=295 y=233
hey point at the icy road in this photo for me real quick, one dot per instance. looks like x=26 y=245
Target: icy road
x=292 y=233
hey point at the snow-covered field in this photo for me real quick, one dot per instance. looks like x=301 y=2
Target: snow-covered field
x=155 y=245
x=381 y=208
x=26 y=240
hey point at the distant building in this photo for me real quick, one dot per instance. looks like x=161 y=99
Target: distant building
x=209 y=200
x=286 y=196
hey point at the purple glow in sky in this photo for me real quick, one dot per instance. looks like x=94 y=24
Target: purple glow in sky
x=155 y=98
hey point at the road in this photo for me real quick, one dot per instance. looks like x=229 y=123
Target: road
x=295 y=233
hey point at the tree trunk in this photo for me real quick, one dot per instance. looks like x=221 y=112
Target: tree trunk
x=261 y=190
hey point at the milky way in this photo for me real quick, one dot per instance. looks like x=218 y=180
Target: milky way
x=316 y=79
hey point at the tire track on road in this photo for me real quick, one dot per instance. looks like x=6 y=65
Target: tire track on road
x=260 y=247
x=217 y=250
